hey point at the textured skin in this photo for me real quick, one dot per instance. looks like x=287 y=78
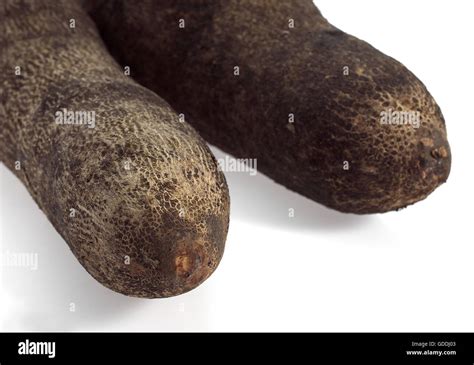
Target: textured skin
x=151 y=207
x=286 y=70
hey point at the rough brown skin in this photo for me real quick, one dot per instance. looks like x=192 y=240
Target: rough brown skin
x=149 y=203
x=284 y=71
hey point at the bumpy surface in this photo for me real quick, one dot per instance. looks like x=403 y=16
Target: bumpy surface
x=139 y=198
x=291 y=64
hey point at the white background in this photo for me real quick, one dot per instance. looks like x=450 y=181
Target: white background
x=411 y=270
